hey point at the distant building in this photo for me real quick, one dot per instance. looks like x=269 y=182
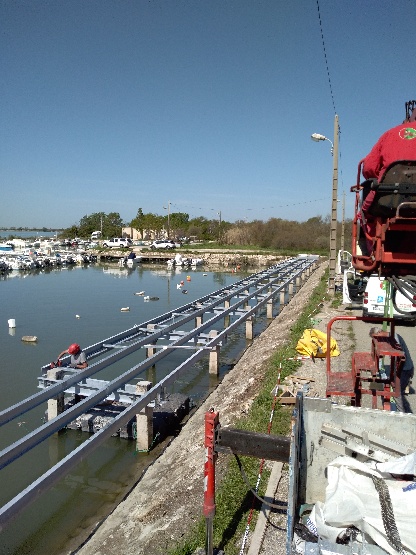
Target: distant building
x=149 y=235
x=131 y=232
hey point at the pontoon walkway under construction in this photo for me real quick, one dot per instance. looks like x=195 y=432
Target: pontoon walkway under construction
x=190 y=328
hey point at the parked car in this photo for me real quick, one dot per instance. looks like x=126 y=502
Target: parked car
x=164 y=244
x=118 y=242
x=374 y=300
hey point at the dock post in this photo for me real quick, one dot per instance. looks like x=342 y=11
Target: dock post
x=143 y=387
x=269 y=309
x=282 y=299
x=150 y=351
x=144 y=429
x=198 y=321
x=144 y=420
x=214 y=356
x=227 y=318
x=249 y=327
x=291 y=288
x=298 y=283
x=56 y=405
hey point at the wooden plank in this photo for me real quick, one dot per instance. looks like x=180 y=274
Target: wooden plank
x=287 y=400
x=252 y=444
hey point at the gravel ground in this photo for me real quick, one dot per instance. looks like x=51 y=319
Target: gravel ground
x=271 y=536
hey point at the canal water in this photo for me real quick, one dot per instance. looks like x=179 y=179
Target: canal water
x=6 y=233
x=81 y=304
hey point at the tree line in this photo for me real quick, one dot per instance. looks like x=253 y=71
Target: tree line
x=275 y=233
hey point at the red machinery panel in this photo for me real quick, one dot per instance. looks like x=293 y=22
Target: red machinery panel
x=384 y=235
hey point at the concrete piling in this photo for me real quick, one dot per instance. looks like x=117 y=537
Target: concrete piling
x=150 y=351
x=214 y=356
x=57 y=404
x=144 y=419
x=249 y=327
x=144 y=429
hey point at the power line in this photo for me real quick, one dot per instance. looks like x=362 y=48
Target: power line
x=275 y=207
x=326 y=59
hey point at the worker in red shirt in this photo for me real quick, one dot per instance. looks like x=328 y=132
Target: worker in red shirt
x=398 y=143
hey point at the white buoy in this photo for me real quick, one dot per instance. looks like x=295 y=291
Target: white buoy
x=77 y=316
x=125 y=309
x=12 y=323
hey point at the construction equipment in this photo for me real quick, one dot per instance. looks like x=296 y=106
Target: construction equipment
x=384 y=235
x=383 y=243
x=376 y=373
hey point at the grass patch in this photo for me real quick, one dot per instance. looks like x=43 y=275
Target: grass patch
x=337 y=300
x=233 y=500
x=251 y=249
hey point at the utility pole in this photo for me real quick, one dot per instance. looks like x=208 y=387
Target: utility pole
x=168 y=219
x=333 y=232
x=333 y=228
x=343 y=224
x=168 y=209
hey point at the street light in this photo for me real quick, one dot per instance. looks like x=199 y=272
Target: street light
x=333 y=231
x=318 y=137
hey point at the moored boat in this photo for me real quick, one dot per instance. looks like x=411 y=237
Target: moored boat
x=6 y=247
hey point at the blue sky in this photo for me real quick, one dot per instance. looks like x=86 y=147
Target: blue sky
x=112 y=105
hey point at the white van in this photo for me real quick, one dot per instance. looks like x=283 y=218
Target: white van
x=95 y=235
x=375 y=298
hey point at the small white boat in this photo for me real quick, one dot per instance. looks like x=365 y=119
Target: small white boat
x=6 y=247
x=131 y=262
x=15 y=263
